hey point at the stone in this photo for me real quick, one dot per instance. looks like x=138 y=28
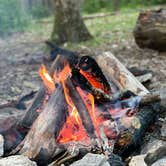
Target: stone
x=161 y=162
x=163 y=130
x=1 y=145
x=17 y=160
x=137 y=161
x=152 y=146
x=92 y=160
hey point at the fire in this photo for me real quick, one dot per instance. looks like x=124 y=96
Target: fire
x=73 y=129
x=47 y=79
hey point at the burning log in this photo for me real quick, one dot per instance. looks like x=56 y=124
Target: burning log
x=82 y=110
x=32 y=114
x=117 y=72
x=40 y=143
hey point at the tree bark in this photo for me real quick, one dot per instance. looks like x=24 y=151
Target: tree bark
x=68 y=23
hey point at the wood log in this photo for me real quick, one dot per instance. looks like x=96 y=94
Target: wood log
x=81 y=108
x=150 y=29
x=40 y=142
x=134 y=130
x=144 y=78
x=32 y=113
x=117 y=72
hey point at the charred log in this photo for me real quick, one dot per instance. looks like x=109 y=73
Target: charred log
x=131 y=138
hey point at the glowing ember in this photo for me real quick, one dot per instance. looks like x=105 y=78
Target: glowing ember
x=93 y=81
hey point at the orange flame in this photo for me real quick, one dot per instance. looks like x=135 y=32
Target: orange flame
x=73 y=129
x=47 y=79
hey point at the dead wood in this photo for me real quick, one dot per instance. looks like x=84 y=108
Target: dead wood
x=150 y=29
x=114 y=70
x=144 y=78
x=40 y=142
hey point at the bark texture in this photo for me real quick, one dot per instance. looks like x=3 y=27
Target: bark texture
x=68 y=23
x=150 y=30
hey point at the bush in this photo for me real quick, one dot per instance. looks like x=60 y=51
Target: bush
x=40 y=11
x=12 y=17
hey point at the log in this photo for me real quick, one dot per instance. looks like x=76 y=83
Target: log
x=39 y=144
x=32 y=114
x=144 y=78
x=114 y=70
x=81 y=108
x=134 y=130
x=150 y=29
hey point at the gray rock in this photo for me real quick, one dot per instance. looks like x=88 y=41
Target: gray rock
x=17 y=160
x=152 y=146
x=92 y=160
x=161 y=162
x=1 y=145
x=163 y=130
x=138 y=161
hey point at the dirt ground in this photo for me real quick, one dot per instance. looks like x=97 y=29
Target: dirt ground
x=22 y=54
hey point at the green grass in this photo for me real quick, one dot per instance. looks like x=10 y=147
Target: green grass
x=110 y=29
x=106 y=30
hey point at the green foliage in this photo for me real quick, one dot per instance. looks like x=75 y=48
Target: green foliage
x=92 y=6
x=12 y=18
x=40 y=11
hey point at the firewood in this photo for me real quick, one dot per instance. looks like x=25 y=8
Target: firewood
x=131 y=137
x=114 y=70
x=40 y=142
x=82 y=110
x=144 y=78
x=32 y=113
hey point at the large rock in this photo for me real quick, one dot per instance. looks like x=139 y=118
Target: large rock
x=92 y=160
x=17 y=160
x=152 y=146
x=161 y=162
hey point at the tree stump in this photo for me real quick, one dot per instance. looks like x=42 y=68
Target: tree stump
x=150 y=30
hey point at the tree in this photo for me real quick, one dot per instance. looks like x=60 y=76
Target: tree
x=68 y=23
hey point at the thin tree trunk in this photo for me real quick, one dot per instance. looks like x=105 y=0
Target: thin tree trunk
x=68 y=23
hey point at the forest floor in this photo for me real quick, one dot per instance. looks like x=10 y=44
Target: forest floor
x=22 y=53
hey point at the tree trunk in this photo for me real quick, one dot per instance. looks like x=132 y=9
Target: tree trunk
x=68 y=23
x=150 y=30
x=115 y=5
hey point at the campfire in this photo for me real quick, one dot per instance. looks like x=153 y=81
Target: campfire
x=85 y=104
